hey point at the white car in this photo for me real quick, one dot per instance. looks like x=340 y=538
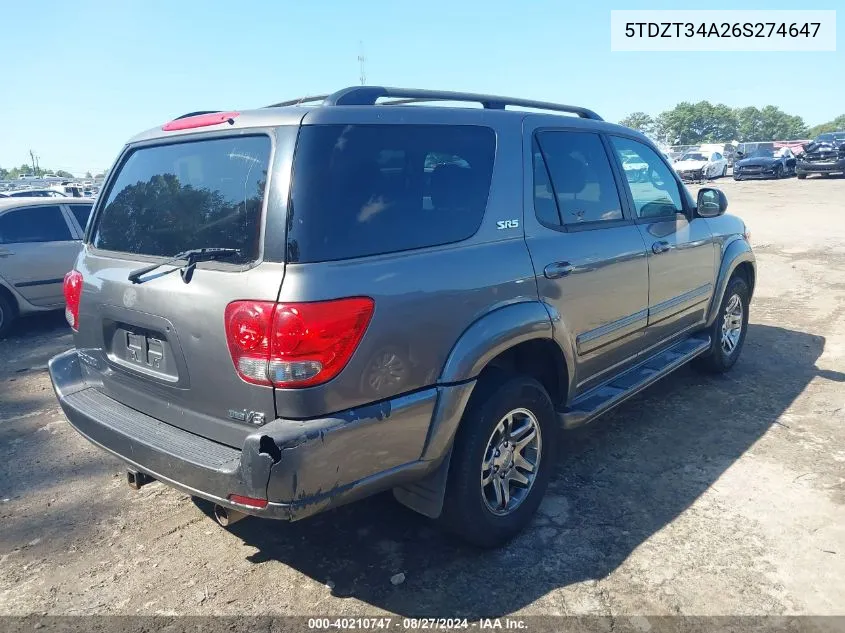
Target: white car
x=635 y=168
x=698 y=165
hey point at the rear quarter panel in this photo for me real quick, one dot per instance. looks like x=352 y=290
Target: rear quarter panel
x=425 y=299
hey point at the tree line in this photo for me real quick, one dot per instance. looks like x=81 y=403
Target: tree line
x=693 y=123
x=15 y=172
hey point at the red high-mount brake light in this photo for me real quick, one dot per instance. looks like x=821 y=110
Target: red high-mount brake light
x=72 y=289
x=200 y=120
x=295 y=344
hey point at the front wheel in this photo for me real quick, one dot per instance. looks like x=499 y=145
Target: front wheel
x=801 y=176
x=778 y=172
x=728 y=330
x=724 y=171
x=501 y=462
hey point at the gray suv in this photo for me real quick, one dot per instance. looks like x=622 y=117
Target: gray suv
x=286 y=309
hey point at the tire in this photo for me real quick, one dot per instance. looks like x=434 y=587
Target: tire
x=801 y=176
x=722 y=356
x=475 y=511
x=724 y=171
x=778 y=172
x=8 y=314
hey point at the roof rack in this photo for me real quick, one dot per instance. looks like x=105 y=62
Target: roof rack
x=295 y=102
x=368 y=95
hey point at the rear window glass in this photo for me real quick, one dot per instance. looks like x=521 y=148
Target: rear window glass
x=170 y=198
x=368 y=189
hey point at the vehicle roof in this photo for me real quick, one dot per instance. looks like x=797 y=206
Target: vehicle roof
x=399 y=110
x=8 y=203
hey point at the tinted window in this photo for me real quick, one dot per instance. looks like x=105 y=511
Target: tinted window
x=81 y=213
x=654 y=189
x=581 y=177
x=366 y=189
x=171 y=198
x=33 y=224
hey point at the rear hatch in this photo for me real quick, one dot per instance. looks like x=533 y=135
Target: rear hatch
x=159 y=345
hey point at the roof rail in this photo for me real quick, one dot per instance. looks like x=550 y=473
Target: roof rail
x=294 y=102
x=368 y=95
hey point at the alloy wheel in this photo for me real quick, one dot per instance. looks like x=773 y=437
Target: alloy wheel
x=511 y=461
x=732 y=324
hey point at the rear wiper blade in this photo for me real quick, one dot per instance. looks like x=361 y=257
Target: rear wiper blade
x=191 y=257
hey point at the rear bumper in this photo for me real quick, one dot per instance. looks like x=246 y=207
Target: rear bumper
x=820 y=168
x=300 y=467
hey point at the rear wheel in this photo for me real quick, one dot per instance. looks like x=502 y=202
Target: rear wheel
x=728 y=330
x=801 y=176
x=8 y=314
x=501 y=462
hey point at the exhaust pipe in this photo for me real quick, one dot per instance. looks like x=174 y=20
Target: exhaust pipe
x=226 y=516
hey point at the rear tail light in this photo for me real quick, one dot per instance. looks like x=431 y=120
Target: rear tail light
x=295 y=344
x=73 y=293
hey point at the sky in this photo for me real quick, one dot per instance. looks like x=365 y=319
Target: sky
x=82 y=77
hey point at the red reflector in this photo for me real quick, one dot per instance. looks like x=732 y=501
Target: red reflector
x=295 y=344
x=72 y=289
x=248 y=501
x=201 y=120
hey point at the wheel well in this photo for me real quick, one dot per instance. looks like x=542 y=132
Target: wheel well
x=541 y=359
x=746 y=271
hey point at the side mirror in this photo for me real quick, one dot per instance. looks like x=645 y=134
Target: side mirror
x=711 y=202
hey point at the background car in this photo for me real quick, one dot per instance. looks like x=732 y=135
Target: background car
x=35 y=193
x=698 y=165
x=39 y=241
x=824 y=156
x=635 y=169
x=765 y=162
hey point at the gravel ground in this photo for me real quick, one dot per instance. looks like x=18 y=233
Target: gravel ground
x=703 y=495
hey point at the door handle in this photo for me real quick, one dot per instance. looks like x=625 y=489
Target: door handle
x=557 y=270
x=660 y=247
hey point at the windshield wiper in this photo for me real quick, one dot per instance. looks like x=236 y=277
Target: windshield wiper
x=192 y=257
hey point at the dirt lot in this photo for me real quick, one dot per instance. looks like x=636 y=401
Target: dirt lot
x=702 y=496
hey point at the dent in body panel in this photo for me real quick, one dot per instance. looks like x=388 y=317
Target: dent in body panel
x=317 y=457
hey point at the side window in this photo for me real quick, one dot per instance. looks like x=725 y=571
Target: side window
x=581 y=177
x=716 y=156
x=81 y=213
x=654 y=189
x=34 y=224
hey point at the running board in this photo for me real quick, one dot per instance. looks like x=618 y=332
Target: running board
x=598 y=400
